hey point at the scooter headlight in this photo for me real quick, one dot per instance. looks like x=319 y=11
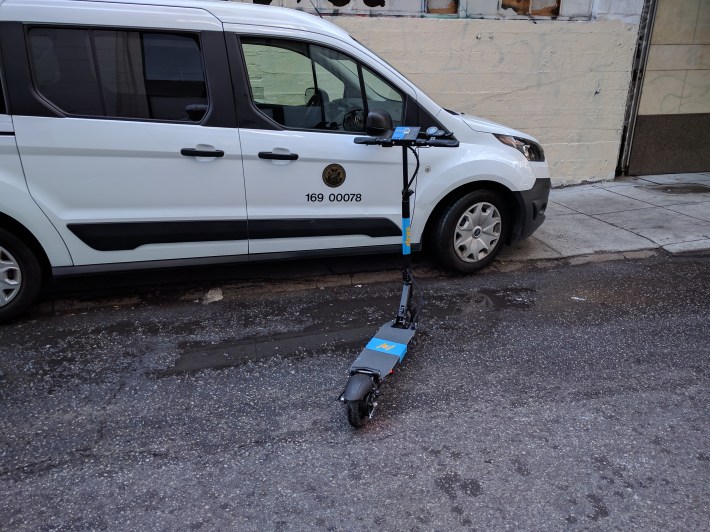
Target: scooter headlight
x=531 y=150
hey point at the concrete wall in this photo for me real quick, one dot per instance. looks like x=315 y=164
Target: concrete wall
x=677 y=77
x=565 y=9
x=565 y=81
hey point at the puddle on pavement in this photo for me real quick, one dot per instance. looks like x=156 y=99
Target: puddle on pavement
x=685 y=188
x=292 y=344
x=200 y=357
x=487 y=300
x=510 y=298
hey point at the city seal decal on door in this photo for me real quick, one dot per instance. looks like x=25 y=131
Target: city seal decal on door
x=334 y=175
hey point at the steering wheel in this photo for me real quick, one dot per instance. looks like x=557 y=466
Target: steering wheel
x=354 y=120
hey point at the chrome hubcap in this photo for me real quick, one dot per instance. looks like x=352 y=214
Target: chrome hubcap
x=10 y=277
x=477 y=232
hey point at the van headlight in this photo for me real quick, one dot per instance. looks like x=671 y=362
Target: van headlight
x=531 y=150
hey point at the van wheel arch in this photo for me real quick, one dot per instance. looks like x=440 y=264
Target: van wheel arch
x=11 y=225
x=432 y=222
x=25 y=271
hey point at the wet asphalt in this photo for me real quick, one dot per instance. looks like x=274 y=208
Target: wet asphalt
x=556 y=397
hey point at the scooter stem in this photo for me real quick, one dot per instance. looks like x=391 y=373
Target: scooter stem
x=405 y=313
x=406 y=216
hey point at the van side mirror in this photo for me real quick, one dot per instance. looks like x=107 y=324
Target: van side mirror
x=379 y=124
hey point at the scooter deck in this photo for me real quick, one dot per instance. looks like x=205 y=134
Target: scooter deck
x=386 y=349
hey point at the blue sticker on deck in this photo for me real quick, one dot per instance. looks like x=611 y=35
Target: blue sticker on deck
x=387 y=346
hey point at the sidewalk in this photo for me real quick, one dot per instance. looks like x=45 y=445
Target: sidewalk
x=670 y=211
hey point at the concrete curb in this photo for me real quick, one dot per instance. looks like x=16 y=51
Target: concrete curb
x=255 y=288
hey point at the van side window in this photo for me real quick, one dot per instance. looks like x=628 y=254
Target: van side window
x=3 y=109
x=306 y=86
x=121 y=74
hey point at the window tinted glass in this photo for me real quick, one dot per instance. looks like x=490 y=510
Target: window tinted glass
x=382 y=96
x=306 y=86
x=64 y=69
x=3 y=109
x=126 y=74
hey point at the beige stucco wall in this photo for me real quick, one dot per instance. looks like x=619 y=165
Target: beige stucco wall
x=564 y=82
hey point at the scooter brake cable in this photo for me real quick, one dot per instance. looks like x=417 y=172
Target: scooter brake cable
x=416 y=169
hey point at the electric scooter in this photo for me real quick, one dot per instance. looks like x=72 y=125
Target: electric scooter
x=387 y=349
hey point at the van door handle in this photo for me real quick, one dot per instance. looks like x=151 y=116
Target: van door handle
x=278 y=156
x=193 y=152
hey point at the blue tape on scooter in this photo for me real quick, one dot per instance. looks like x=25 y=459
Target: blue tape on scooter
x=387 y=346
x=406 y=236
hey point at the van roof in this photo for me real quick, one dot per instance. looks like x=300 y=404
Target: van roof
x=226 y=11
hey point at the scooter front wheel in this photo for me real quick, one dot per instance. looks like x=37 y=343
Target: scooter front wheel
x=359 y=411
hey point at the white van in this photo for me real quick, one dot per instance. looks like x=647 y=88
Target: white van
x=156 y=133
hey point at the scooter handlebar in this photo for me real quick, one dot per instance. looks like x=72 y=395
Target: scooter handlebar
x=374 y=141
x=439 y=143
x=388 y=142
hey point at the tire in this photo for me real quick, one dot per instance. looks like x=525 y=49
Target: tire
x=20 y=276
x=471 y=231
x=358 y=412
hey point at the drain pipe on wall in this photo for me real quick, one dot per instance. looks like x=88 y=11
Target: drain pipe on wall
x=638 y=73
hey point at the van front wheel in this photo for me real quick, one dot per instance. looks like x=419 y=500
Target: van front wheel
x=471 y=231
x=20 y=276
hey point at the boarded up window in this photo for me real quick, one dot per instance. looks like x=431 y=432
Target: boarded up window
x=502 y=8
x=521 y=7
x=545 y=8
x=442 y=7
x=540 y=8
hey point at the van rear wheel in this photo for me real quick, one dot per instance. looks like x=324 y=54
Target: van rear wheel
x=20 y=276
x=471 y=231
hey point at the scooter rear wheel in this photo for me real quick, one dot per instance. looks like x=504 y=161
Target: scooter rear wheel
x=358 y=412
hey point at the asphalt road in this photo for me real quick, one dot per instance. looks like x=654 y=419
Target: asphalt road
x=548 y=398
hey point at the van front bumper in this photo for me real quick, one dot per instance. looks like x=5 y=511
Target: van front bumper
x=531 y=206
